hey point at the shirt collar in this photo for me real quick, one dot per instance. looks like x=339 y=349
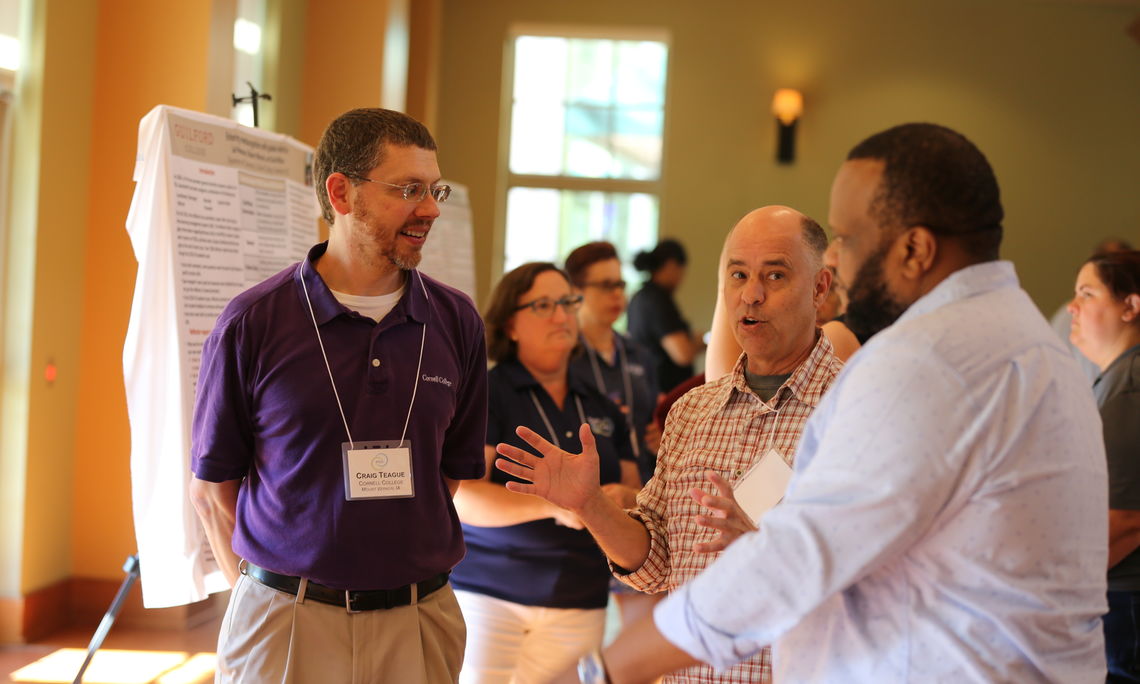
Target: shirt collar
x=520 y=378
x=963 y=284
x=413 y=305
x=799 y=383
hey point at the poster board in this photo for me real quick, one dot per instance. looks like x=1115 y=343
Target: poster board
x=449 y=253
x=217 y=208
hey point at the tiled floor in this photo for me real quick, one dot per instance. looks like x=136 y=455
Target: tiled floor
x=145 y=643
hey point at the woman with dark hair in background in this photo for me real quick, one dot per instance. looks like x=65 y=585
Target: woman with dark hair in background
x=534 y=585
x=612 y=363
x=654 y=319
x=1106 y=329
x=621 y=370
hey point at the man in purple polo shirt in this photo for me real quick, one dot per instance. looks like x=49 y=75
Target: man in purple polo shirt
x=340 y=403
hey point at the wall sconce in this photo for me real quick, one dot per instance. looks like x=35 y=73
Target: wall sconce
x=787 y=105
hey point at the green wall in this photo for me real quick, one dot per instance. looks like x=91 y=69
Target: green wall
x=1050 y=91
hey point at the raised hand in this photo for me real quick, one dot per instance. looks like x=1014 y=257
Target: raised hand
x=564 y=479
x=726 y=515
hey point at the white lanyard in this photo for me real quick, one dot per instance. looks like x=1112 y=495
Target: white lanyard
x=419 y=364
x=546 y=421
x=624 y=364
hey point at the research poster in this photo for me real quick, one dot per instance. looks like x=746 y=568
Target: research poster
x=217 y=208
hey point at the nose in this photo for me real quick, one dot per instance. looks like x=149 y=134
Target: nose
x=560 y=314
x=1071 y=307
x=753 y=291
x=427 y=208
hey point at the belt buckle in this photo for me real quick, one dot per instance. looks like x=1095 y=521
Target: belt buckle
x=348 y=603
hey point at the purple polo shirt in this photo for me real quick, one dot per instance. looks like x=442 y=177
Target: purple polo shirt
x=266 y=412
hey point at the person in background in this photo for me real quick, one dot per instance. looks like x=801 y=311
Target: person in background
x=534 y=586
x=654 y=319
x=618 y=368
x=1106 y=329
x=1062 y=321
x=612 y=363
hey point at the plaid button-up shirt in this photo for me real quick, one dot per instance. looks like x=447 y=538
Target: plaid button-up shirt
x=724 y=427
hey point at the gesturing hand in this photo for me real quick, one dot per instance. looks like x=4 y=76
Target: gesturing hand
x=727 y=516
x=564 y=479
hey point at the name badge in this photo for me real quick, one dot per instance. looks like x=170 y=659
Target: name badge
x=378 y=470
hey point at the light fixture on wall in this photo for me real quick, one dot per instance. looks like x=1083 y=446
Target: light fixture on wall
x=787 y=105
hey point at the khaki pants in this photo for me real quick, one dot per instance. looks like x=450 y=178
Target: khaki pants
x=268 y=636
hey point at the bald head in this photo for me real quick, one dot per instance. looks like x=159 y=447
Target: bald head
x=776 y=216
x=773 y=282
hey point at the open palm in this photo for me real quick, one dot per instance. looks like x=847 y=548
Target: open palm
x=562 y=478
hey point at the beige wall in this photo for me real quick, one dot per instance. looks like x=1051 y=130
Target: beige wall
x=1049 y=90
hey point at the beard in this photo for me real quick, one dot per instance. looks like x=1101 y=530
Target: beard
x=870 y=305
x=383 y=245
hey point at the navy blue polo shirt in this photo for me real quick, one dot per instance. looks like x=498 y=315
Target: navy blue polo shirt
x=265 y=411
x=631 y=359
x=653 y=315
x=541 y=563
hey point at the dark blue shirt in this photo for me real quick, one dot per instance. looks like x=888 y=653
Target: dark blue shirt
x=541 y=563
x=631 y=361
x=653 y=315
x=266 y=412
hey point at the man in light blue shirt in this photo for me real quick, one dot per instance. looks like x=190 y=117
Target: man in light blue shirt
x=946 y=521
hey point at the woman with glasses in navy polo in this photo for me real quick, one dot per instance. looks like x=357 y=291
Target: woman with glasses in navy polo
x=621 y=370
x=533 y=586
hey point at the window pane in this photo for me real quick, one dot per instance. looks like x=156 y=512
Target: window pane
x=587 y=145
x=591 y=72
x=540 y=69
x=637 y=143
x=532 y=220
x=546 y=224
x=536 y=138
x=588 y=108
x=641 y=73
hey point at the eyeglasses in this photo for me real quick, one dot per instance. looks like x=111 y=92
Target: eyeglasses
x=413 y=192
x=544 y=308
x=607 y=285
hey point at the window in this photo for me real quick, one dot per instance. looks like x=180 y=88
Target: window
x=586 y=120
x=9 y=65
x=248 y=55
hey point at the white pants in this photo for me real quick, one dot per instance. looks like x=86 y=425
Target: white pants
x=268 y=636
x=516 y=644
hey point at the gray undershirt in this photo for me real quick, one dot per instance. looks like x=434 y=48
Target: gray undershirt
x=765 y=386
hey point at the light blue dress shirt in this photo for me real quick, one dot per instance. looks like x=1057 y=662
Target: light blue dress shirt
x=947 y=517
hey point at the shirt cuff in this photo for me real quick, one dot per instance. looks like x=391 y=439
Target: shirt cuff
x=677 y=620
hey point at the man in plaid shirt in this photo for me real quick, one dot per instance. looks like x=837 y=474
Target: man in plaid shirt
x=774 y=279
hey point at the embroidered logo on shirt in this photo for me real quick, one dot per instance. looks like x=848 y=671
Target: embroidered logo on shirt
x=437 y=379
x=603 y=427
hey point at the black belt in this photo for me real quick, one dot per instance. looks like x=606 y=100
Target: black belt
x=353 y=601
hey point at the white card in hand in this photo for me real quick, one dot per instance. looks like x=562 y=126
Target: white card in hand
x=763 y=486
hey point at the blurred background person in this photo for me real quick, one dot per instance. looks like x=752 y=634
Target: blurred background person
x=655 y=321
x=1106 y=328
x=621 y=370
x=1062 y=320
x=615 y=365
x=534 y=586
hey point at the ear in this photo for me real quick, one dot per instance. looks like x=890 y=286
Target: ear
x=339 y=189
x=918 y=247
x=823 y=281
x=1131 y=308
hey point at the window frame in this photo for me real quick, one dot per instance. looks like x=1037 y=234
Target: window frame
x=508 y=180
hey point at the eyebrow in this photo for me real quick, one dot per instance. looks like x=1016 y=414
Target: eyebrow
x=767 y=262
